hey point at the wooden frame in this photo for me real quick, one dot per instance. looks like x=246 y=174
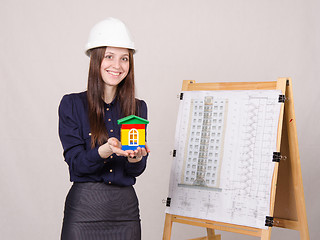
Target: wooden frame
x=287 y=203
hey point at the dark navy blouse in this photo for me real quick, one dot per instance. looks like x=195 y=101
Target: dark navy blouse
x=85 y=163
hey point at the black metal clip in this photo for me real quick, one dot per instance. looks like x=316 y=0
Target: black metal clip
x=168 y=202
x=276 y=157
x=269 y=221
x=282 y=98
x=174 y=153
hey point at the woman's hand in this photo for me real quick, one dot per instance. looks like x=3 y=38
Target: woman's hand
x=136 y=155
x=112 y=146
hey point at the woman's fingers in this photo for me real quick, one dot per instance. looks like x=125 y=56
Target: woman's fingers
x=115 y=146
x=147 y=148
x=120 y=152
x=114 y=142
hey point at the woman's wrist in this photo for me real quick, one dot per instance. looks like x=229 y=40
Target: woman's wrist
x=105 y=150
x=134 y=159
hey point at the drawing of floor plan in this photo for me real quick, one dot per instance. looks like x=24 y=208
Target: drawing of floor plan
x=223 y=166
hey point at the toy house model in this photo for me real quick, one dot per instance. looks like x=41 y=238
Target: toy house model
x=133 y=132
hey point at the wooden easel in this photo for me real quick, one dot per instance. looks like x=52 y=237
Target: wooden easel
x=287 y=204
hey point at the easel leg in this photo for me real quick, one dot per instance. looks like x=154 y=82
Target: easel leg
x=296 y=165
x=212 y=235
x=167 y=227
x=266 y=234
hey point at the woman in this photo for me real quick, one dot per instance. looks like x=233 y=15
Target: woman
x=102 y=203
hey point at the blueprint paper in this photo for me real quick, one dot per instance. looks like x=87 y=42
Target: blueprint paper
x=224 y=146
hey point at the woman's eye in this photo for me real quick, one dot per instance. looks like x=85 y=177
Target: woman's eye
x=125 y=59
x=108 y=56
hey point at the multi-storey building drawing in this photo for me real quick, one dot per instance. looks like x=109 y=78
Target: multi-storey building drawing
x=205 y=146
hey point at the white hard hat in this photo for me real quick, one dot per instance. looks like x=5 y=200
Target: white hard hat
x=109 y=32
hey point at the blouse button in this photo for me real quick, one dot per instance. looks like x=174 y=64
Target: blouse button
x=111 y=130
x=109 y=182
x=109 y=120
x=111 y=156
x=105 y=162
x=108 y=109
x=110 y=170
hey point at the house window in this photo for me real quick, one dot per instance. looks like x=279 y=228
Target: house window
x=133 y=137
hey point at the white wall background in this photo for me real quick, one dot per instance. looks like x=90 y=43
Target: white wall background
x=206 y=40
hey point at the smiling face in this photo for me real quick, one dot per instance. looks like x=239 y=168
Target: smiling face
x=114 y=66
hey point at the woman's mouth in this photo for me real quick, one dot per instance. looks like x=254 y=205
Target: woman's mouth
x=113 y=73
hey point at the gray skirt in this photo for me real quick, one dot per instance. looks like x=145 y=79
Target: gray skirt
x=97 y=211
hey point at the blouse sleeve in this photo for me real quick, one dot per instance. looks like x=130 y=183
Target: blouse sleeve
x=81 y=161
x=136 y=169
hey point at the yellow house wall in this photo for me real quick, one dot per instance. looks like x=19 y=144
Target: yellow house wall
x=125 y=136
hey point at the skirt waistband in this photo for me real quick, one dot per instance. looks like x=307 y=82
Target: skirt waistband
x=97 y=186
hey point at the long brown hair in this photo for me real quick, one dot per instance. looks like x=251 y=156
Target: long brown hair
x=125 y=94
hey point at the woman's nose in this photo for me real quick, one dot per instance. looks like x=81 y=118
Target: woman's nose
x=116 y=63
